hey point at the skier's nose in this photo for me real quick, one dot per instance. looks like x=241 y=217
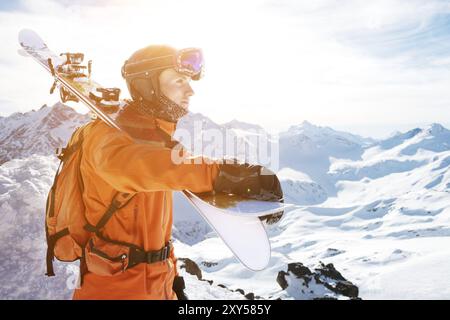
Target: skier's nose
x=189 y=91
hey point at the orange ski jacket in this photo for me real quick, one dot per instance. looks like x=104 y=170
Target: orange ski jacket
x=113 y=162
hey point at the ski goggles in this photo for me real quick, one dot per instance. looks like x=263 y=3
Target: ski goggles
x=186 y=61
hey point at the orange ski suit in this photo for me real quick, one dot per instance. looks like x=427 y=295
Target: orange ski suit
x=112 y=162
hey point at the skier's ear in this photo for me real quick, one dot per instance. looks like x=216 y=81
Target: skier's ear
x=142 y=88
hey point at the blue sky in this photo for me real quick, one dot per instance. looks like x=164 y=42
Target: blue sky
x=367 y=67
x=424 y=42
x=11 y=5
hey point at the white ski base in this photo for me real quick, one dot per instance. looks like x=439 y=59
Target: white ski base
x=239 y=206
x=244 y=235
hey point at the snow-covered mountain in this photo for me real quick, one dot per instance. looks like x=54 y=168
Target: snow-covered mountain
x=239 y=125
x=202 y=136
x=378 y=211
x=401 y=153
x=388 y=218
x=38 y=131
x=326 y=136
x=300 y=188
x=310 y=149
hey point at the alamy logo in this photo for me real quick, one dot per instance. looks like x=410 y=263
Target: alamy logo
x=253 y=146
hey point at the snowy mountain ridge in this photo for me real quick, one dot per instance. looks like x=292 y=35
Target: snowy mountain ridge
x=37 y=132
x=379 y=211
x=323 y=134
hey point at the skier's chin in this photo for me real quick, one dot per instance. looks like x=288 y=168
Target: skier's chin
x=185 y=105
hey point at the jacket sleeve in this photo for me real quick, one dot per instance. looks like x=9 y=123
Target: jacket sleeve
x=138 y=167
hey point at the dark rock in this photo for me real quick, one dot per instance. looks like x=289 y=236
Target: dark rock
x=325 y=298
x=329 y=271
x=250 y=296
x=347 y=288
x=317 y=278
x=299 y=270
x=240 y=291
x=342 y=286
x=191 y=267
x=281 y=280
x=325 y=275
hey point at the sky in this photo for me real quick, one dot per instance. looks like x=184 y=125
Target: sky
x=370 y=68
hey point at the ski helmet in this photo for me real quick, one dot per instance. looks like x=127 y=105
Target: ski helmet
x=142 y=70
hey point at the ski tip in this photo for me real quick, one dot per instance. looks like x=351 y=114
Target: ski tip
x=28 y=37
x=24 y=34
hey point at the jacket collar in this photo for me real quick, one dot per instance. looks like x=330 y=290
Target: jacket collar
x=168 y=127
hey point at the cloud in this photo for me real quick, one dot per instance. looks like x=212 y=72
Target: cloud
x=46 y=5
x=415 y=29
x=90 y=3
x=7 y=107
x=274 y=63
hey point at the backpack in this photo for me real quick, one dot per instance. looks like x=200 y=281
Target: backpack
x=66 y=226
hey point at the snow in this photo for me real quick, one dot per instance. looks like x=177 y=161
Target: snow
x=299 y=188
x=202 y=290
x=24 y=186
x=379 y=211
x=37 y=132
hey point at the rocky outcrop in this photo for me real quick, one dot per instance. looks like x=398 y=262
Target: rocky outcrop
x=192 y=268
x=325 y=282
x=298 y=282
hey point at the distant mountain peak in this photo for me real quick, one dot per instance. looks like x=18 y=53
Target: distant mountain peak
x=433 y=137
x=435 y=128
x=325 y=134
x=37 y=131
x=306 y=123
x=236 y=124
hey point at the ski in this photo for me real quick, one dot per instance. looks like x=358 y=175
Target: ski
x=228 y=216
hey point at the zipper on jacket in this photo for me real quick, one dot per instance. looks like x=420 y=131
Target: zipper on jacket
x=167 y=260
x=167 y=279
x=164 y=211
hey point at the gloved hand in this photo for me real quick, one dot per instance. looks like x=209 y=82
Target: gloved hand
x=249 y=181
x=178 y=287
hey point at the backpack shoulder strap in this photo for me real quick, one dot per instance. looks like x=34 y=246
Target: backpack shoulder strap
x=120 y=200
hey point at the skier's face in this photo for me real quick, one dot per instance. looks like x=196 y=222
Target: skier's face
x=176 y=87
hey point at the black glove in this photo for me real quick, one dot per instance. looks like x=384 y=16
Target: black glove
x=249 y=181
x=178 y=287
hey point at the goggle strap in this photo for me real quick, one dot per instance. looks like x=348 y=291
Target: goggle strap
x=151 y=59
x=133 y=69
x=136 y=74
